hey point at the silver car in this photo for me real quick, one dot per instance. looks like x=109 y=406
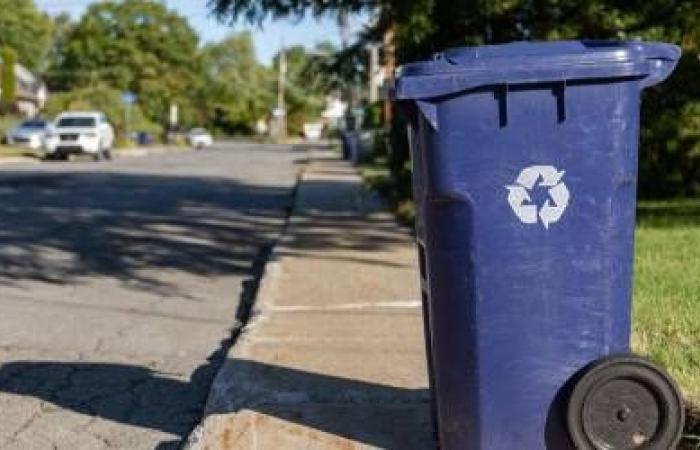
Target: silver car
x=29 y=134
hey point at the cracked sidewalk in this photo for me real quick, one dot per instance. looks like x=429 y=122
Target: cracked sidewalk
x=333 y=356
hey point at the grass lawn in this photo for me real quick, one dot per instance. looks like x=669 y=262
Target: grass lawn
x=10 y=151
x=666 y=312
x=667 y=289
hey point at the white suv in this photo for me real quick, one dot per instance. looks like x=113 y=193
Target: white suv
x=80 y=133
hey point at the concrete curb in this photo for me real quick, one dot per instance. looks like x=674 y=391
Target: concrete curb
x=327 y=361
x=264 y=298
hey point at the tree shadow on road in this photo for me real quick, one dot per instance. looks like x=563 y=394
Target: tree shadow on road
x=144 y=398
x=69 y=227
x=62 y=228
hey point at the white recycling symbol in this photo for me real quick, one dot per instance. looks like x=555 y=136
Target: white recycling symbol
x=547 y=177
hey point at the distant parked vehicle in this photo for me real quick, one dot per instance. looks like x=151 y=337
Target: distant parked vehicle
x=86 y=133
x=144 y=138
x=199 y=138
x=313 y=131
x=29 y=134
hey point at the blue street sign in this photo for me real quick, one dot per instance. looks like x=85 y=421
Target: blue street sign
x=128 y=97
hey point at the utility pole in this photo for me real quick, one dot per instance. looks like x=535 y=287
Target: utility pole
x=280 y=114
x=344 y=27
x=127 y=119
x=373 y=72
x=390 y=64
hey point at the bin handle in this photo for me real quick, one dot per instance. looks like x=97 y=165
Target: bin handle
x=662 y=59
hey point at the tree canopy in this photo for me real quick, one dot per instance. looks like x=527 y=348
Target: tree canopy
x=236 y=89
x=26 y=30
x=7 y=78
x=307 y=85
x=670 y=150
x=135 y=45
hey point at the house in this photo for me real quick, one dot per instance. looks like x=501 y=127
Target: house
x=30 y=93
x=334 y=111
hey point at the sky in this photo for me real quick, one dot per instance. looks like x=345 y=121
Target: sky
x=267 y=40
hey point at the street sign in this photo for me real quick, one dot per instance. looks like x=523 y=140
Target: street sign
x=128 y=98
x=174 y=115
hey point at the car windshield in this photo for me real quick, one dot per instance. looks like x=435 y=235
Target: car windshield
x=198 y=131
x=76 y=122
x=33 y=124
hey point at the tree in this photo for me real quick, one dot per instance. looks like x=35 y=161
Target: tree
x=670 y=147
x=135 y=45
x=26 y=30
x=236 y=89
x=306 y=85
x=8 y=84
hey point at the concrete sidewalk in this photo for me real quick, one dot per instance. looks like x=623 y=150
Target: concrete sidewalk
x=333 y=357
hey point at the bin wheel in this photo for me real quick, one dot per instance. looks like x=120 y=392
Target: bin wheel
x=625 y=403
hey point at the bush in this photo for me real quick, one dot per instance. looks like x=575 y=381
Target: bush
x=7 y=81
x=669 y=159
x=373 y=117
x=107 y=100
x=7 y=122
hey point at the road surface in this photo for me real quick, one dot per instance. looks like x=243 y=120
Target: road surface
x=119 y=287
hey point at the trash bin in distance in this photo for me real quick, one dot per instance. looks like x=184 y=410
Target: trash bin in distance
x=525 y=165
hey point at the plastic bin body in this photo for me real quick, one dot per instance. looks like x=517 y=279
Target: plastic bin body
x=516 y=305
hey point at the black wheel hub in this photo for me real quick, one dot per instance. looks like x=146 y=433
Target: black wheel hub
x=625 y=403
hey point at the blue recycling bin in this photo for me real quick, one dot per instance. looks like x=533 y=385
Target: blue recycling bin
x=350 y=145
x=525 y=166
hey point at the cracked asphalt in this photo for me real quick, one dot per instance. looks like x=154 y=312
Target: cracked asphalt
x=119 y=289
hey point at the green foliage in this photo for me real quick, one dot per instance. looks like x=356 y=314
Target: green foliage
x=666 y=307
x=255 y=11
x=373 y=115
x=135 y=45
x=26 y=30
x=8 y=83
x=670 y=143
x=305 y=88
x=105 y=99
x=670 y=150
x=7 y=122
x=236 y=90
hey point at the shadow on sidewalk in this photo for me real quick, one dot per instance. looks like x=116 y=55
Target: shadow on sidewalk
x=140 y=397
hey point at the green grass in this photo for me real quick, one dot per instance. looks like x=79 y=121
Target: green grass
x=8 y=151
x=667 y=289
x=377 y=177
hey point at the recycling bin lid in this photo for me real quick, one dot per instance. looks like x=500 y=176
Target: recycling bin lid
x=459 y=69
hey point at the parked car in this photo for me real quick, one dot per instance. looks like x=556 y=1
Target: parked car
x=29 y=134
x=199 y=138
x=313 y=131
x=86 y=133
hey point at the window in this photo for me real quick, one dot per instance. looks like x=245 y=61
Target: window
x=33 y=124
x=76 y=122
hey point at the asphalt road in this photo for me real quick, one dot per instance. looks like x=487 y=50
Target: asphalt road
x=119 y=287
